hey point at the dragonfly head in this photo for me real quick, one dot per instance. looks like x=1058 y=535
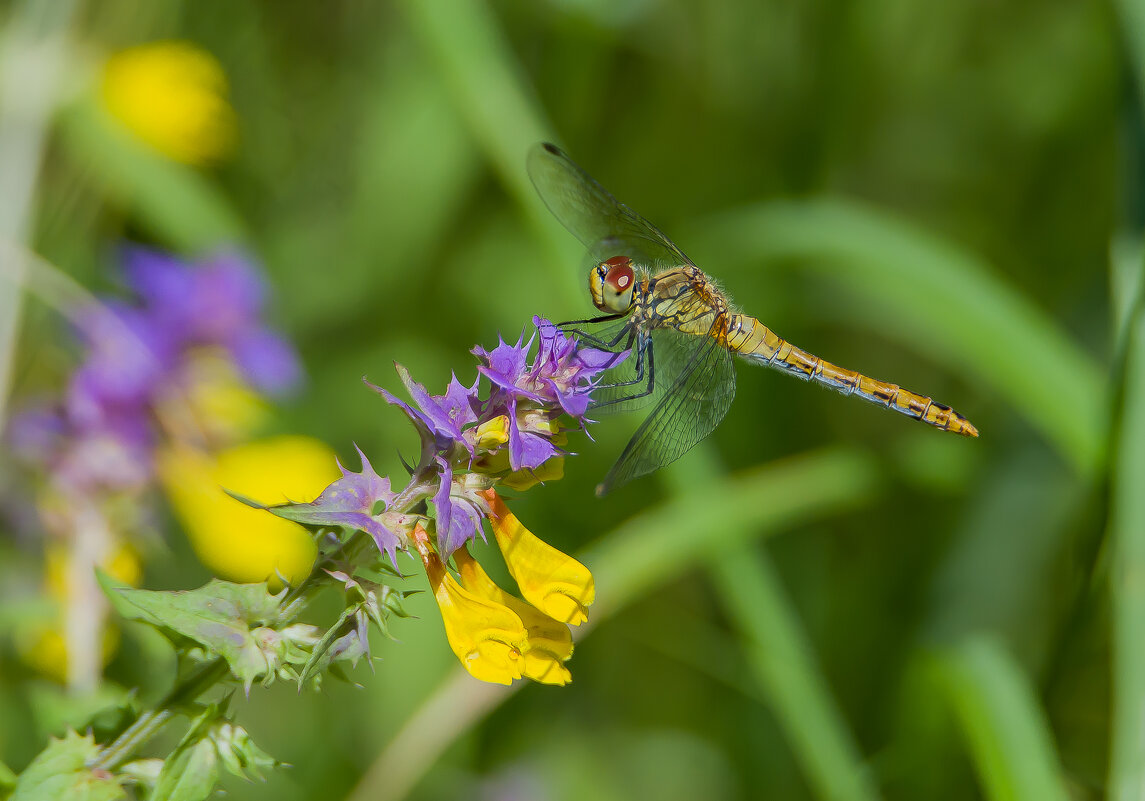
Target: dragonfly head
x=611 y=283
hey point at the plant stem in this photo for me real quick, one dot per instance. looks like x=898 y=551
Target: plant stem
x=151 y=722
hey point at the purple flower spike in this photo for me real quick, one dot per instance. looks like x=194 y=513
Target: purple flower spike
x=446 y=414
x=517 y=419
x=459 y=403
x=566 y=370
x=505 y=367
x=527 y=450
x=425 y=426
x=458 y=520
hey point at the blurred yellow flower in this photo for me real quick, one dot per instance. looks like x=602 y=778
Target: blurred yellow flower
x=212 y=401
x=233 y=540
x=173 y=96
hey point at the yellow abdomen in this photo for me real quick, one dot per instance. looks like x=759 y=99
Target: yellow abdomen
x=751 y=339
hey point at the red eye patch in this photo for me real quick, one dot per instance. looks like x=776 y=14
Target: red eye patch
x=620 y=275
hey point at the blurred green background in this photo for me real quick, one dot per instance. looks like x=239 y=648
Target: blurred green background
x=823 y=601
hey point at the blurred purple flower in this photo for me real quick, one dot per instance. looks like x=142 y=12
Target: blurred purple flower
x=216 y=302
x=101 y=434
x=114 y=455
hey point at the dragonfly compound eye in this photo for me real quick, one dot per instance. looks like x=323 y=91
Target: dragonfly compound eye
x=619 y=279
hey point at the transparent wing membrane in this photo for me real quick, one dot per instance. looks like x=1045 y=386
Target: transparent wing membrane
x=694 y=385
x=589 y=211
x=680 y=332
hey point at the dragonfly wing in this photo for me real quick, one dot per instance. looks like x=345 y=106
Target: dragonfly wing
x=589 y=211
x=695 y=384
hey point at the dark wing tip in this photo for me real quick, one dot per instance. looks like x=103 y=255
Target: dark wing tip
x=549 y=146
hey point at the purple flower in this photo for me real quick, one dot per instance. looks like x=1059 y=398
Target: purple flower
x=267 y=360
x=528 y=450
x=129 y=354
x=560 y=379
x=458 y=518
x=138 y=354
x=566 y=370
x=113 y=454
x=439 y=419
x=505 y=367
x=462 y=433
x=353 y=500
x=217 y=302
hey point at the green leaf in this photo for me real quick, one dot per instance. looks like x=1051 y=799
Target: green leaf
x=324 y=652
x=111 y=587
x=1126 y=538
x=1006 y=731
x=7 y=778
x=239 y=753
x=60 y=772
x=189 y=774
x=786 y=670
x=142 y=771
x=192 y=769
x=219 y=616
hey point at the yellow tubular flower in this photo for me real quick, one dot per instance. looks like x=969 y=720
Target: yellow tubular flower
x=552 y=581
x=493 y=433
x=486 y=636
x=233 y=540
x=552 y=470
x=173 y=96
x=549 y=643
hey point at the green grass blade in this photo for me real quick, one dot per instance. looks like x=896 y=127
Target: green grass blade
x=1005 y=730
x=1127 y=538
x=933 y=295
x=787 y=671
x=1132 y=29
x=492 y=96
x=487 y=86
x=27 y=102
x=660 y=543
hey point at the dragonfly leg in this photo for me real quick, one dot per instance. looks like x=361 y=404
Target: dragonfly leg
x=644 y=350
x=645 y=346
x=592 y=339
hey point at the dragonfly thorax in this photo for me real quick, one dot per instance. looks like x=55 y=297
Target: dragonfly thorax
x=611 y=283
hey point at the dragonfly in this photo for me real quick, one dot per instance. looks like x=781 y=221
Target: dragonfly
x=680 y=330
